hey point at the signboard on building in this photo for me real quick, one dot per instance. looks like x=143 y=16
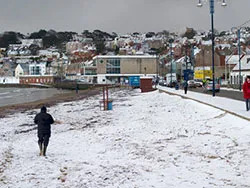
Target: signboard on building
x=203 y=74
x=134 y=81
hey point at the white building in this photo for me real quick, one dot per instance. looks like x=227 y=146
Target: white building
x=9 y=80
x=37 y=68
x=29 y=42
x=242 y=69
x=21 y=70
x=50 y=53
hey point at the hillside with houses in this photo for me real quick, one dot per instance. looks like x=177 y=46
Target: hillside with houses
x=98 y=57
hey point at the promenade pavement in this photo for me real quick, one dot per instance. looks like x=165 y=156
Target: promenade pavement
x=229 y=105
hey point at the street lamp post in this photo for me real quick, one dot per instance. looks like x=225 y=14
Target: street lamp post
x=211 y=3
x=157 y=70
x=186 y=61
x=171 y=61
x=203 y=63
x=239 y=52
x=238 y=30
x=212 y=28
x=186 y=57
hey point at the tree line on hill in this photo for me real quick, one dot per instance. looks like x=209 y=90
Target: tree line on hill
x=52 y=38
x=49 y=38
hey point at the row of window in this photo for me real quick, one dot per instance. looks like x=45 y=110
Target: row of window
x=113 y=66
x=113 y=62
x=35 y=70
x=90 y=72
x=113 y=70
x=39 y=80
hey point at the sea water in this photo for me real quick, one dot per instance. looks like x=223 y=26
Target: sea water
x=10 y=96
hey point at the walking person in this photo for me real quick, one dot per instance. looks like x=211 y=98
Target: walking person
x=204 y=81
x=185 y=86
x=246 y=92
x=77 y=88
x=44 y=120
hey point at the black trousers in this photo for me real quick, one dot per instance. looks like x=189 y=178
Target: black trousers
x=43 y=138
x=247 y=104
x=185 y=90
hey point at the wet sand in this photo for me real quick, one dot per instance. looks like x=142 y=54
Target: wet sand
x=58 y=98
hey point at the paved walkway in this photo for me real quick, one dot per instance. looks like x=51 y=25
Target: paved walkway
x=231 y=106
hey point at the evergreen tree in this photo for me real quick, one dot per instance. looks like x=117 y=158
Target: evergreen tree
x=190 y=33
x=100 y=46
x=9 y=38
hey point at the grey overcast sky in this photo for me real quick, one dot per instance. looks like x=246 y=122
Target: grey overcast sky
x=121 y=16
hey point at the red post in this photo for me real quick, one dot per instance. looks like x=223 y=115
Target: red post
x=103 y=93
x=107 y=98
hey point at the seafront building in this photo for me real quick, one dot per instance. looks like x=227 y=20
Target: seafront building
x=117 y=69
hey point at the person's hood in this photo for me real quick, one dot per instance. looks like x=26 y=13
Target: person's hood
x=44 y=109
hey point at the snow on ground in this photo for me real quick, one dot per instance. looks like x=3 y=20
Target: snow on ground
x=234 y=106
x=147 y=140
x=230 y=89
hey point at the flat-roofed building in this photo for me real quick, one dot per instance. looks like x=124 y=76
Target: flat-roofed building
x=117 y=69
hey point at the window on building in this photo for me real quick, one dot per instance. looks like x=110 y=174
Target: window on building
x=113 y=66
x=90 y=72
x=35 y=70
x=94 y=62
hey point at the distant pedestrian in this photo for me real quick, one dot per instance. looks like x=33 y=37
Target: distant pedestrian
x=176 y=86
x=77 y=88
x=204 y=81
x=185 y=86
x=44 y=120
x=246 y=92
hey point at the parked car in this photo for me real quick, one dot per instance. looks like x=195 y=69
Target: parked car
x=67 y=81
x=80 y=80
x=209 y=86
x=198 y=82
x=172 y=84
x=171 y=79
x=162 y=83
x=192 y=84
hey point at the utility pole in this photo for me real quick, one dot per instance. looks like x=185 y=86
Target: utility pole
x=186 y=57
x=203 y=63
x=212 y=30
x=157 y=70
x=239 y=52
x=171 y=55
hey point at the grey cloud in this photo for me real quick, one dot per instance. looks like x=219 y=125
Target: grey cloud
x=121 y=16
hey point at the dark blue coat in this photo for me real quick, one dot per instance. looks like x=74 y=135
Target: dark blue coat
x=44 y=120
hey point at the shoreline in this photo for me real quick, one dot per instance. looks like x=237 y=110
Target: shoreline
x=48 y=102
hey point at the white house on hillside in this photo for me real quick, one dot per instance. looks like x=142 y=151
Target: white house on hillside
x=37 y=68
x=21 y=70
x=49 y=53
x=28 y=42
x=243 y=70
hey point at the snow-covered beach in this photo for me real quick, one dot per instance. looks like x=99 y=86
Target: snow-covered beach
x=147 y=140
